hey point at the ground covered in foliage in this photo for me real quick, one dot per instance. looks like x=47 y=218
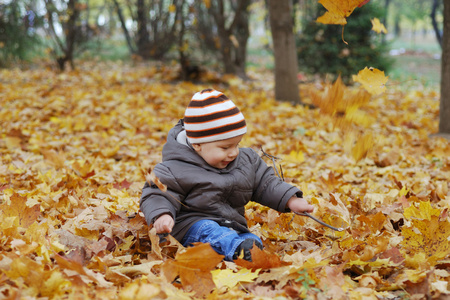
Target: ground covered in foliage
x=76 y=147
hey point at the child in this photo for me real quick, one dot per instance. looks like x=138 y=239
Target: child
x=210 y=180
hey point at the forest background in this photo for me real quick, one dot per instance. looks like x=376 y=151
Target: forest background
x=88 y=94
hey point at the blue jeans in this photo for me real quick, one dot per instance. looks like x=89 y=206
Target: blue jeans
x=222 y=239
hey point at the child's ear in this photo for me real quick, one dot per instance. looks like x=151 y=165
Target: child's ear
x=197 y=147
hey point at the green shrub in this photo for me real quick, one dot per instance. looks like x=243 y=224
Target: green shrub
x=321 y=49
x=18 y=38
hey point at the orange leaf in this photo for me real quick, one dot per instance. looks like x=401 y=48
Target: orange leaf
x=151 y=178
x=261 y=260
x=25 y=215
x=55 y=159
x=194 y=266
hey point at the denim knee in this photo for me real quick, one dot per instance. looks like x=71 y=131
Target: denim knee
x=222 y=239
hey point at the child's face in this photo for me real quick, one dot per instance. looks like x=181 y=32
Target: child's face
x=220 y=153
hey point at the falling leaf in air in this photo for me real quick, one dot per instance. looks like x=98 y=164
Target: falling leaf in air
x=338 y=10
x=342 y=104
x=363 y=145
x=151 y=178
x=373 y=80
x=377 y=26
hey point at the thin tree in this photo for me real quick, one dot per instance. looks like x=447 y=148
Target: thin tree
x=223 y=26
x=157 y=25
x=130 y=44
x=434 y=9
x=71 y=33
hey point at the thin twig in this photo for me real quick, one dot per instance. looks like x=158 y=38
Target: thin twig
x=319 y=221
x=273 y=159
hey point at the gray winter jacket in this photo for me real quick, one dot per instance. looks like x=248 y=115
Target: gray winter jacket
x=196 y=190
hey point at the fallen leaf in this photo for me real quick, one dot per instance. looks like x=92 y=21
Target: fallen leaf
x=228 y=278
x=261 y=259
x=194 y=266
x=20 y=212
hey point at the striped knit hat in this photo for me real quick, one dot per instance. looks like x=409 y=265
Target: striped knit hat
x=211 y=116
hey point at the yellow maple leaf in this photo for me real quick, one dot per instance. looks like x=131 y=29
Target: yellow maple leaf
x=338 y=11
x=228 y=278
x=373 y=80
x=296 y=156
x=424 y=212
x=427 y=234
x=23 y=215
x=377 y=26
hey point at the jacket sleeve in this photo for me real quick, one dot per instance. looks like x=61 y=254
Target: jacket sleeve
x=155 y=202
x=269 y=189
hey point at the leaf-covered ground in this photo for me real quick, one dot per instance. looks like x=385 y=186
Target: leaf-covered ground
x=75 y=149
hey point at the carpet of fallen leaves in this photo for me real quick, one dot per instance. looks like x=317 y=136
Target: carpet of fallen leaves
x=75 y=149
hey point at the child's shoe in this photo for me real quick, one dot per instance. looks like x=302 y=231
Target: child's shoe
x=246 y=246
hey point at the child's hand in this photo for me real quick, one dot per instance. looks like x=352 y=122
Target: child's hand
x=164 y=224
x=299 y=205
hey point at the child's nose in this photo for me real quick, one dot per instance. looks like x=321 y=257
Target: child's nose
x=233 y=152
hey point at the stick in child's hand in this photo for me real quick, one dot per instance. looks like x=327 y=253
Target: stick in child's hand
x=320 y=221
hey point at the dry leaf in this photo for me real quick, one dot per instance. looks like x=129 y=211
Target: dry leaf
x=194 y=266
x=338 y=10
x=228 y=278
x=19 y=212
x=70 y=184
x=377 y=26
x=373 y=80
x=151 y=178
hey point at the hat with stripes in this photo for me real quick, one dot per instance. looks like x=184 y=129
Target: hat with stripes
x=211 y=116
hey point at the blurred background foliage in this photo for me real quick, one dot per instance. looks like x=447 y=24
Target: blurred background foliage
x=194 y=33
x=331 y=56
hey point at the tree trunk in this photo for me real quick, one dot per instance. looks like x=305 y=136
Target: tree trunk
x=224 y=37
x=397 y=28
x=233 y=39
x=242 y=33
x=281 y=24
x=143 y=40
x=434 y=22
x=444 y=112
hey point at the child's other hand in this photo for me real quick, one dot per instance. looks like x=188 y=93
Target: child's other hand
x=299 y=205
x=164 y=224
